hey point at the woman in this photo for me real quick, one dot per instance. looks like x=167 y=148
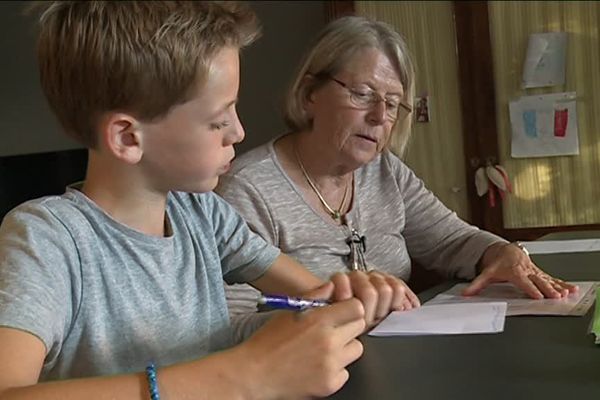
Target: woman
x=332 y=195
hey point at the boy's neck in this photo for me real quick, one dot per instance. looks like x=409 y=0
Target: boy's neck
x=122 y=194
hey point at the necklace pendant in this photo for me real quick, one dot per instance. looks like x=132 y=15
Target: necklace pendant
x=336 y=215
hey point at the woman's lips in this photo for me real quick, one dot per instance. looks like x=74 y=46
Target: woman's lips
x=369 y=138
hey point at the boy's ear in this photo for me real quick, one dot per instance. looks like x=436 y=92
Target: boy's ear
x=122 y=137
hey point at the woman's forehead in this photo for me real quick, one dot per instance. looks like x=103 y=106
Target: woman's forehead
x=371 y=66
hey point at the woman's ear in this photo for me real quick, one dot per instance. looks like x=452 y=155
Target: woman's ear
x=121 y=135
x=308 y=84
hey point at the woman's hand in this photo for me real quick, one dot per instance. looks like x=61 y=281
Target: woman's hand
x=506 y=262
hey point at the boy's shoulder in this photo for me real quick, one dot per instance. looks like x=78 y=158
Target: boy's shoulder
x=46 y=205
x=42 y=222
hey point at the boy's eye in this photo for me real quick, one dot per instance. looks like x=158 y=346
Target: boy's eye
x=219 y=125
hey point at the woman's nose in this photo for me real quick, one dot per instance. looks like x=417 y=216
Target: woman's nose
x=377 y=112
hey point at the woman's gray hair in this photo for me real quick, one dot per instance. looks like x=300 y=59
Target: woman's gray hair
x=337 y=43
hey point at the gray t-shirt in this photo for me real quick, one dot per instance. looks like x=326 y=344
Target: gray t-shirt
x=400 y=218
x=107 y=299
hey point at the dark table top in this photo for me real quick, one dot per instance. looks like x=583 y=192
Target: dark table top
x=541 y=357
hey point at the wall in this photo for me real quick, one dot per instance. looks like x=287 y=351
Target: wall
x=26 y=123
x=268 y=65
x=28 y=126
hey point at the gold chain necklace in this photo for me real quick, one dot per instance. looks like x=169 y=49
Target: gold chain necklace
x=335 y=214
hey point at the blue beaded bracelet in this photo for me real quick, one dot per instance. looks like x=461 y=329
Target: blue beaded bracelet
x=152 y=382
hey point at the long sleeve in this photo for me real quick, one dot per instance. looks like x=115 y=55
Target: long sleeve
x=435 y=236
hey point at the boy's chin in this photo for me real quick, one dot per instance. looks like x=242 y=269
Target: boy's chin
x=209 y=185
x=205 y=186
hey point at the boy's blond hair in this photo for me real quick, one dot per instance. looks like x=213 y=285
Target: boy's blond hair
x=136 y=57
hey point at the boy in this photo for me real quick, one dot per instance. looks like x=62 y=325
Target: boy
x=126 y=269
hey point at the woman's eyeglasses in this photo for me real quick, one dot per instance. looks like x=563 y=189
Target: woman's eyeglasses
x=395 y=108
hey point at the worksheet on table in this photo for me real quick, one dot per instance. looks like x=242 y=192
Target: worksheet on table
x=576 y=304
x=562 y=246
x=444 y=319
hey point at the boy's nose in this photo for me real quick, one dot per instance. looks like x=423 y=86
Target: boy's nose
x=240 y=134
x=237 y=133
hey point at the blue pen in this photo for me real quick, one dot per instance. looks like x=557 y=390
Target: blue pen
x=290 y=303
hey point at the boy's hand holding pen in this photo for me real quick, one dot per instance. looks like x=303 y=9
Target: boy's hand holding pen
x=317 y=346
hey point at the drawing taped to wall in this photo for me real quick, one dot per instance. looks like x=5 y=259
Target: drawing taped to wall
x=544 y=125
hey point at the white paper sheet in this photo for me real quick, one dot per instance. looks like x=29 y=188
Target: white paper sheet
x=445 y=319
x=519 y=303
x=545 y=61
x=562 y=246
